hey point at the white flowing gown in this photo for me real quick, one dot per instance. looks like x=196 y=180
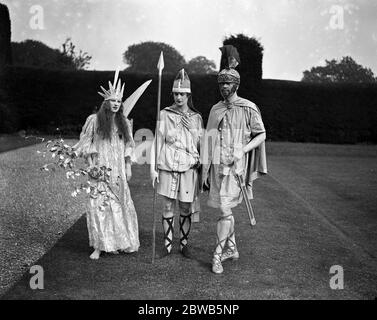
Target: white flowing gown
x=116 y=227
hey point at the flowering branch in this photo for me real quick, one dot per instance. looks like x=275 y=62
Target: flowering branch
x=65 y=157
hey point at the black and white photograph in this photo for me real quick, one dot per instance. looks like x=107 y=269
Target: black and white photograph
x=188 y=155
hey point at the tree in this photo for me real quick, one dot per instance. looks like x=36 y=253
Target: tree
x=201 y=65
x=5 y=36
x=345 y=70
x=80 y=60
x=37 y=54
x=143 y=57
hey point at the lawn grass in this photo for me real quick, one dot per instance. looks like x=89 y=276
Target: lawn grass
x=315 y=209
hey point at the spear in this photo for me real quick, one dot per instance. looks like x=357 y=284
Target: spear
x=160 y=66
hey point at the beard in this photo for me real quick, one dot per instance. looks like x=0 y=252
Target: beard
x=227 y=93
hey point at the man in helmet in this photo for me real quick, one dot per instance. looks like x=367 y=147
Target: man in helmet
x=178 y=145
x=233 y=144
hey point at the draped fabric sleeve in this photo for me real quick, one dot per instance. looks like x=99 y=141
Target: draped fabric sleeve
x=158 y=140
x=256 y=161
x=199 y=135
x=198 y=131
x=256 y=123
x=129 y=150
x=86 y=145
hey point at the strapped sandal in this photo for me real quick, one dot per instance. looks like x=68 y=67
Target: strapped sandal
x=217 y=257
x=231 y=252
x=184 y=237
x=170 y=223
x=184 y=234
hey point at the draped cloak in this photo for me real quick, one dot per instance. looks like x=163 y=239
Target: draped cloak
x=246 y=123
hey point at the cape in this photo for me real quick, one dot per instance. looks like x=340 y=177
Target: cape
x=255 y=160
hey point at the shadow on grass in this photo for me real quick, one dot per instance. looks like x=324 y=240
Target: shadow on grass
x=69 y=273
x=12 y=142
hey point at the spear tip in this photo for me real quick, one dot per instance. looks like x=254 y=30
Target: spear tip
x=160 y=64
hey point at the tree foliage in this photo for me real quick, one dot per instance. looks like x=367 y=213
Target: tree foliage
x=200 y=65
x=80 y=60
x=37 y=54
x=143 y=57
x=345 y=70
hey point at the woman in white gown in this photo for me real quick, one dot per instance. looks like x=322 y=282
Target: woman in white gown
x=106 y=140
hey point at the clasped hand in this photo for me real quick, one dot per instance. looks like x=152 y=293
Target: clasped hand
x=188 y=123
x=154 y=177
x=238 y=153
x=128 y=173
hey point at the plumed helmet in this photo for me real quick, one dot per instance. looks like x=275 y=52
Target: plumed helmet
x=229 y=59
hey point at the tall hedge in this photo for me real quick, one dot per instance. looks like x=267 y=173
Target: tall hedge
x=5 y=37
x=328 y=113
x=292 y=111
x=8 y=114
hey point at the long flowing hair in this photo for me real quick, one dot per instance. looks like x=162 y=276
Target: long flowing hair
x=105 y=124
x=189 y=101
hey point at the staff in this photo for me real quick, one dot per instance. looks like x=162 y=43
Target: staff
x=249 y=208
x=160 y=67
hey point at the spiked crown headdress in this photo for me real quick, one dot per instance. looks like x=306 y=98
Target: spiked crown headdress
x=182 y=82
x=116 y=89
x=229 y=60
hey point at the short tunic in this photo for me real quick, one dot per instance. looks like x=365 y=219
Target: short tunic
x=178 y=155
x=178 y=185
x=240 y=123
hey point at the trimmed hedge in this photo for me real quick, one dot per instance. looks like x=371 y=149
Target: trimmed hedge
x=292 y=111
x=327 y=113
x=5 y=36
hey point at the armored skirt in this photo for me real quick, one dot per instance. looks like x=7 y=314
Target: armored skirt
x=115 y=226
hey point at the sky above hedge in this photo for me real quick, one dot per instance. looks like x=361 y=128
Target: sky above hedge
x=296 y=34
